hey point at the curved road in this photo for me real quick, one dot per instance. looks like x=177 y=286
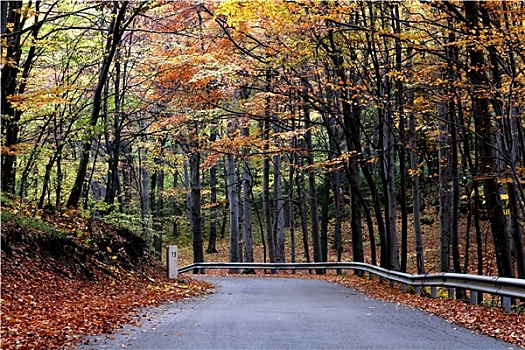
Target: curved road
x=280 y=313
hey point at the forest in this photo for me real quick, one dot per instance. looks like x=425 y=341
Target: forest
x=314 y=130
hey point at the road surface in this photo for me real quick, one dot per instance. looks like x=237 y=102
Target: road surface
x=281 y=313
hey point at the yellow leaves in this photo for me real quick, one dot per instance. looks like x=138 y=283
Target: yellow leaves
x=38 y=99
x=414 y=172
x=241 y=13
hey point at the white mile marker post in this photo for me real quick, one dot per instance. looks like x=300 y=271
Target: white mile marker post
x=171 y=261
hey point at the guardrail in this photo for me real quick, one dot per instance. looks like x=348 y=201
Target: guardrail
x=505 y=287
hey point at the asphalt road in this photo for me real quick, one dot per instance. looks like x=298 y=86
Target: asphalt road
x=279 y=313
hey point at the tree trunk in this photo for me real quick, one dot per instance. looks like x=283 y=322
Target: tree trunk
x=400 y=105
x=267 y=209
x=418 y=232
x=212 y=239
x=338 y=240
x=312 y=191
x=144 y=196
x=291 y=210
x=487 y=144
x=278 y=223
x=445 y=191
x=301 y=204
x=114 y=145
x=247 y=204
x=12 y=23
x=127 y=176
x=158 y=213
x=235 y=254
x=388 y=177
x=325 y=206
x=352 y=123
x=175 y=208
x=195 y=209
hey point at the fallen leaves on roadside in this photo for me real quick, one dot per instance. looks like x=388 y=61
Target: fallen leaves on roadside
x=55 y=288
x=41 y=309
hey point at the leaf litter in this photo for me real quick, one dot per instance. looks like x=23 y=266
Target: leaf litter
x=56 y=288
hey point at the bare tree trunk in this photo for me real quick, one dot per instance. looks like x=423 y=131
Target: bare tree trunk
x=400 y=106
x=418 y=232
x=278 y=209
x=114 y=146
x=212 y=239
x=234 y=212
x=445 y=191
x=338 y=232
x=511 y=128
x=157 y=210
x=291 y=211
x=325 y=205
x=175 y=208
x=312 y=191
x=144 y=196
x=388 y=174
x=266 y=193
x=195 y=209
x=247 y=204
x=127 y=179
x=301 y=203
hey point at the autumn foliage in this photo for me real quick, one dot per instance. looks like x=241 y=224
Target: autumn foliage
x=383 y=132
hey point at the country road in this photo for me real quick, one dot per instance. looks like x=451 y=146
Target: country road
x=281 y=313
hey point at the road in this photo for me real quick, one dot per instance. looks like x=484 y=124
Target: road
x=288 y=313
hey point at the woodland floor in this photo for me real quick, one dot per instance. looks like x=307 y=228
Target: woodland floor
x=85 y=277
x=82 y=277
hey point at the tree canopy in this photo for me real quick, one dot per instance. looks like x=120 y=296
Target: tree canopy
x=349 y=124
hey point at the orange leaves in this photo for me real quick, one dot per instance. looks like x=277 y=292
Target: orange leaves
x=43 y=309
x=38 y=99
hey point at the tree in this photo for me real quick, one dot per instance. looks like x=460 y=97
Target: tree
x=487 y=144
x=13 y=17
x=115 y=31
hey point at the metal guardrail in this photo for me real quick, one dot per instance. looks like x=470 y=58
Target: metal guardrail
x=502 y=286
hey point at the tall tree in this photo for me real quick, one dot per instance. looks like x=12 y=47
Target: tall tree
x=15 y=73
x=487 y=144
x=116 y=29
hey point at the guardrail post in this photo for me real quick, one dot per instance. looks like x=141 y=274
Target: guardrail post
x=506 y=303
x=451 y=293
x=433 y=292
x=404 y=287
x=473 y=297
x=392 y=283
x=418 y=290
